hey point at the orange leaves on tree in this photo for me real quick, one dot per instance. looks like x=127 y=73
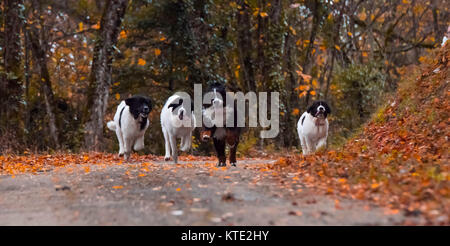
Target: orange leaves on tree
x=141 y=62
x=96 y=26
x=123 y=34
x=157 y=52
x=305 y=77
x=263 y=14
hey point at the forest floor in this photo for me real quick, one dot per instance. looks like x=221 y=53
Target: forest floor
x=190 y=193
x=395 y=171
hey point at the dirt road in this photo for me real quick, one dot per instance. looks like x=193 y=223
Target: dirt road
x=167 y=194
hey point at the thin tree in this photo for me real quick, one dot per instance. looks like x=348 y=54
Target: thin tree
x=11 y=81
x=100 y=78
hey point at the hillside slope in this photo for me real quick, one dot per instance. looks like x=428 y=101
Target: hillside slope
x=401 y=159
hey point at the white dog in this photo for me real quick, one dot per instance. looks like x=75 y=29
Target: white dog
x=177 y=121
x=312 y=127
x=130 y=123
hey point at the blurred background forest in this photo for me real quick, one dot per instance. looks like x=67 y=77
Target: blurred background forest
x=66 y=64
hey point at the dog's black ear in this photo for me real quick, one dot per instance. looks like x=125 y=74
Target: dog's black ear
x=131 y=101
x=310 y=108
x=175 y=105
x=327 y=109
x=149 y=103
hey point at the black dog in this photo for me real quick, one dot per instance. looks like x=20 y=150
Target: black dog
x=221 y=133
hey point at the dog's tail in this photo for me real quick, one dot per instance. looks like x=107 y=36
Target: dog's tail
x=111 y=125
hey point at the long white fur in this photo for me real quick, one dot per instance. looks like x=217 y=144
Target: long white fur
x=174 y=128
x=129 y=133
x=313 y=133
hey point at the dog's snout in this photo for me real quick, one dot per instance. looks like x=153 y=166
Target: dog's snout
x=205 y=135
x=321 y=108
x=146 y=109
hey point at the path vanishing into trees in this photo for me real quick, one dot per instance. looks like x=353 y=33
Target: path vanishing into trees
x=190 y=193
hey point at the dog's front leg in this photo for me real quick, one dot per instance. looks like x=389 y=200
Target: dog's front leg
x=166 y=144
x=120 y=138
x=310 y=146
x=186 y=142
x=173 y=146
x=303 y=144
x=322 y=143
x=139 y=143
x=128 y=143
x=220 y=149
x=233 y=153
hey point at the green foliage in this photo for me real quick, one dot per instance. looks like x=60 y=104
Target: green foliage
x=358 y=90
x=248 y=143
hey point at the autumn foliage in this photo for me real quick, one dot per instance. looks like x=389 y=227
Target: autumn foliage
x=401 y=159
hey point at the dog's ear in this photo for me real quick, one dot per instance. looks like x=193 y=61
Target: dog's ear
x=175 y=105
x=310 y=108
x=131 y=101
x=149 y=103
x=327 y=108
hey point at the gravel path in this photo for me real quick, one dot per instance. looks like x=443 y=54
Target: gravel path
x=168 y=194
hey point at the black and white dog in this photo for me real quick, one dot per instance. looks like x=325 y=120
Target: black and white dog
x=215 y=114
x=312 y=127
x=177 y=121
x=130 y=123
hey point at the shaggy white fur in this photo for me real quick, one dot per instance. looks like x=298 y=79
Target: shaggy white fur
x=176 y=122
x=128 y=130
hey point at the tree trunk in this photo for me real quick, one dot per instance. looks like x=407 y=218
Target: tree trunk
x=245 y=45
x=100 y=78
x=11 y=84
x=40 y=58
x=38 y=43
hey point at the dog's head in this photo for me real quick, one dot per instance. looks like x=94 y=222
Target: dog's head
x=181 y=106
x=319 y=109
x=140 y=106
x=218 y=93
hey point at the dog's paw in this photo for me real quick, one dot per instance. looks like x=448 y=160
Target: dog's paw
x=185 y=148
x=222 y=164
x=127 y=156
x=121 y=154
x=167 y=158
x=233 y=164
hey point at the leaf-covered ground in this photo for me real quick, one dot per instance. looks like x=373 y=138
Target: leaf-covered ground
x=195 y=192
x=400 y=159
